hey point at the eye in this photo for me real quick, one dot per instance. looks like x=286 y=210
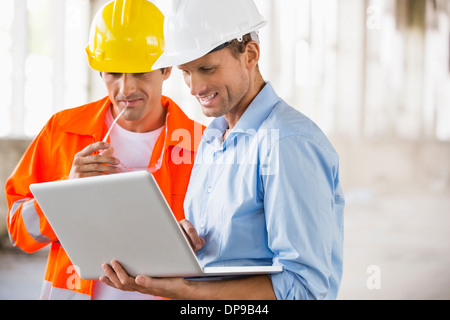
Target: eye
x=207 y=69
x=113 y=74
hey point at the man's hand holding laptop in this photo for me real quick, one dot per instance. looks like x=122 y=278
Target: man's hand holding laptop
x=117 y=277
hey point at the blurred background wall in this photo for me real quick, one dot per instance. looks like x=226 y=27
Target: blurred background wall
x=373 y=74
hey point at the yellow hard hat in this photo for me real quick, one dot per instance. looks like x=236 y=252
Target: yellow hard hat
x=126 y=37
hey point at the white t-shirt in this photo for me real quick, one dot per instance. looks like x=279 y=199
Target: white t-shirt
x=134 y=151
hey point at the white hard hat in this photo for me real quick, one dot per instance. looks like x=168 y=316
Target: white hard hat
x=196 y=27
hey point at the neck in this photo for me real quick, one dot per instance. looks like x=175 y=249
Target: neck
x=234 y=115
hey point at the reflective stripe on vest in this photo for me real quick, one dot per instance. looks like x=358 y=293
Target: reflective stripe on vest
x=12 y=212
x=30 y=219
x=16 y=206
x=51 y=293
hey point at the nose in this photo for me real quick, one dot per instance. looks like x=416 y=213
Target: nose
x=197 y=85
x=127 y=84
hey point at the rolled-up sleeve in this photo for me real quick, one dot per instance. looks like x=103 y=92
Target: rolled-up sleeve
x=303 y=204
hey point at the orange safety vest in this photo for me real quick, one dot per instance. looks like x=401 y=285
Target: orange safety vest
x=50 y=157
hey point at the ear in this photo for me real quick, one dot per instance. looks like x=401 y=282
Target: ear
x=252 y=51
x=167 y=72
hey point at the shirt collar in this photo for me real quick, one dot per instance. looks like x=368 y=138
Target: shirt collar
x=258 y=111
x=85 y=120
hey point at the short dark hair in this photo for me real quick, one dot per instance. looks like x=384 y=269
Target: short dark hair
x=238 y=47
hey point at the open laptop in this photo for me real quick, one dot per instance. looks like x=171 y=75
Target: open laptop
x=123 y=217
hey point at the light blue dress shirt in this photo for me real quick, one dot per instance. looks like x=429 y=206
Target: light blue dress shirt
x=270 y=194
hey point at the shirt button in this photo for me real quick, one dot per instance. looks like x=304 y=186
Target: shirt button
x=202 y=226
x=209 y=189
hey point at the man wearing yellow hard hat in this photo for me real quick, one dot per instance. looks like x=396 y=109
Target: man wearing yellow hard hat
x=266 y=188
x=130 y=129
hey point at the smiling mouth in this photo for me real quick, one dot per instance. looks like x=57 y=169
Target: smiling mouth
x=206 y=100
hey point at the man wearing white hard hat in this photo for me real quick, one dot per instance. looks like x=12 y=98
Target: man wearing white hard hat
x=266 y=185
